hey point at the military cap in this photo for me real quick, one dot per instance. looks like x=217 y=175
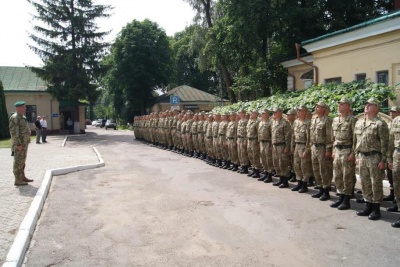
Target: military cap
x=276 y=109
x=241 y=110
x=210 y=116
x=394 y=109
x=303 y=107
x=233 y=114
x=373 y=101
x=19 y=103
x=344 y=100
x=225 y=114
x=264 y=111
x=254 y=111
x=189 y=112
x=291 y=111
x=322 y=104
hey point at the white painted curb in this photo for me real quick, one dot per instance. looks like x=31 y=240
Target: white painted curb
x=21 y=242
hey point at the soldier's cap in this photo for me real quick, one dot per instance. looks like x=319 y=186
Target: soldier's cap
x=225 y=114
x=372 y=101
x=394 y=109
x=322 y=104
x=276 y=109
x=265 y=111
x=233 y=114
x=217 y=114
x=344 y=100
x=210 y=116
x=302 y=107
x=291 y=111
x=241 y=110
x=189 y=112
x=19 y=103
x=254 y=111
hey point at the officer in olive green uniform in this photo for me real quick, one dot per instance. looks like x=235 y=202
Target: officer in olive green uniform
x=344 y=159
x=321 y=150
x=20 y=136
x=370 y=146
x=393 y=155
x=264 y=137
x=301 y=149
x=253 y=146
x=281 y=141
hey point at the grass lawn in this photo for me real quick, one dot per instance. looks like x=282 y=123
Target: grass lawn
x=6 y=143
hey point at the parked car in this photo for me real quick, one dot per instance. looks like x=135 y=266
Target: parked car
x=97 y=123
x=111 y=124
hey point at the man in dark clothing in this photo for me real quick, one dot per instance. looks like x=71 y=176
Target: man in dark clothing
x=38 y=129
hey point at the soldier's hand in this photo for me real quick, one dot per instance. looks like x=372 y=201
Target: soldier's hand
x=333 y=155
x=286 y=150
x=351 y=158
x=382 y=165
x=356 y=161
x=390 y=165
x=304 y=155
x=328 y=154
x=19 y=147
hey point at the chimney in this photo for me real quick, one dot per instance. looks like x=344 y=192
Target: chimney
x=396 y=4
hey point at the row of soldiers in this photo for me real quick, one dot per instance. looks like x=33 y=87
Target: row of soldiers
x=310 y=145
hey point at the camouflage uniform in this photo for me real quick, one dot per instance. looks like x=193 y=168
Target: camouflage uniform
x=222 y=141
x=301 y=146
x=209 y=138
x=242 y=143
x=393 y=156
x=264 y=136
x=200 y=134
x=20 y=136
x=194 y=133
x=215 y=126
x=231 y=135
x=253 y=146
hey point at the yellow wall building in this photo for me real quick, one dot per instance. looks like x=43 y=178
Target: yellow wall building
x=367 y=51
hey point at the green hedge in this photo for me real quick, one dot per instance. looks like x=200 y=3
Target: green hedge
x=358 y=93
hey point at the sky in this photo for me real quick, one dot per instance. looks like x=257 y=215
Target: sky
x=16 y=24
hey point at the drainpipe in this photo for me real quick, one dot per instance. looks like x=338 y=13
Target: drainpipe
x=307 y=63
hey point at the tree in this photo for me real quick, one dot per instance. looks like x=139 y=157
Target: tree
x=70 y=45
x=4 y=129
x=139 y=63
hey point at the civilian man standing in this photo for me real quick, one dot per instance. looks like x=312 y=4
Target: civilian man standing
x=43 y=123
x=38 y=129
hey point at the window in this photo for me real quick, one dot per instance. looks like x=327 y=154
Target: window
x=336 y=80
x=31 y=113
x=382 y=77
x=361 y=77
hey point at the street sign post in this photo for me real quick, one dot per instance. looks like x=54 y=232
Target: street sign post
x=174 y=100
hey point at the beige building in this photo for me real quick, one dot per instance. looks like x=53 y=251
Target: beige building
x=367 y=51
x=187 y=98
x=20 y=84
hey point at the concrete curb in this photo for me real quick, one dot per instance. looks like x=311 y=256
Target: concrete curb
x=16 y=254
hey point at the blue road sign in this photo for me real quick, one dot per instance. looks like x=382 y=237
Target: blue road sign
x=174 y=99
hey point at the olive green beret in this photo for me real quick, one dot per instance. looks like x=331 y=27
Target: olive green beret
x=19 y=103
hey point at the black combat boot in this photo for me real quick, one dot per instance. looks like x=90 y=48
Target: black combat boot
x=311 y=181
x=218 y=163
x=263 y=176
x=367 y=211
x=253 y=171
x=230 y=167
x=360 y=200
x=227 y=165
x=326 y=195
x=245 y=169
x=396 y=224
x=256 y=173
x=292 y=177
x=304 y=187
x=338 y=202
x=394 y=208
x=280 y=181
x=390 y=197
x=223 y=162
x=268 y=179
x=376 y=212
x=345 y=204
x=319 y=194
x=298 y=186
x=285 y=182
x=235 y=168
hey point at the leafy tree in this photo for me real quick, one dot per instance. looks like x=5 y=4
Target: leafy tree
x=139 y=63
x=4 y=131
x=70 y=45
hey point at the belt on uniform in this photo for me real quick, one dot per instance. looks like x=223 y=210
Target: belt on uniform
x=200 y=132
x=300 y=143
x=265 y=141
x=230 y=138
x=194 y=133
x=279 y=144
x=209 y=137
x=343 y=146
x=240 y=136
x=252 y=138
x=319 y=145
x=221 y=135
x=369 y=153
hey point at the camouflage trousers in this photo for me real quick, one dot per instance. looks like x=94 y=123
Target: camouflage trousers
x=281 y=160
x=253 y=150
x=189 y=141
x=233 y=151
x=184 y=141
x=178 y=139
x=195 y=142
x=201 y=142
x=396 y=175
x=266 y=156
x=19 y=163
x=322 y=166
x=209 y=146
x=371 y=177
x=169 y=138
x=223 y=147
x=242 y=151
x=343 y=171
x=173 y=136
x=302 y=166
x=216 y=148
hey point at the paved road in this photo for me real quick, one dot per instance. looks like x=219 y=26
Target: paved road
x=15 y=201
x=151 y=207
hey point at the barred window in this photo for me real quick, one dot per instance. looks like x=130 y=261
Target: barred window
x=31 y=113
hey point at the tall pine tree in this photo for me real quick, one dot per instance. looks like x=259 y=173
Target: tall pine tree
x=70 y=46
x=4 y=132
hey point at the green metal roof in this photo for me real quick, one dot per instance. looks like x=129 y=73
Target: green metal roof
x=189 y=94
x=389 y=16
x=21 y=79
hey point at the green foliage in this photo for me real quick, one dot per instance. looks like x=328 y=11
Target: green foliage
x=328 y=93
x=70 y=45
x=4 y=129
